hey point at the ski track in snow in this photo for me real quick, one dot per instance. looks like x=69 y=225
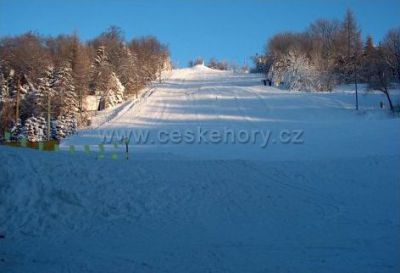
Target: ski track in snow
x=197 y=97
x=329 y=205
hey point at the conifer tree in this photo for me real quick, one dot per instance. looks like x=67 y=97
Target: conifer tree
x=45 y=97
x=369 y=53
x=65 y=89
x=351 y=52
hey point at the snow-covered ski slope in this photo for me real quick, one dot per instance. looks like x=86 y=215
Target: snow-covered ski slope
x=331 y=204
x=201 y=100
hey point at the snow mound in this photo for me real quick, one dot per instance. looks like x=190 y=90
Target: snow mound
x=203 y=68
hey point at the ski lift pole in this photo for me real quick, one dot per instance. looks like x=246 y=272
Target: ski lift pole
x=48 y=117
x=127 y=140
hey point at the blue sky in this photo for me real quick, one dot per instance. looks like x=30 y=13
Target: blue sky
x=232 y=30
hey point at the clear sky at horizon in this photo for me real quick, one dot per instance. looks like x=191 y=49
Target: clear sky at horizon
x=232 y=30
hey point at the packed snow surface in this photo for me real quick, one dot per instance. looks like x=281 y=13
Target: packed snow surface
x=328 y=203
x=204 y=99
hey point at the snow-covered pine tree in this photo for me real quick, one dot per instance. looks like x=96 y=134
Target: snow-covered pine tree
x=45 y=99
x=71 y=124
x=35 y=129
x=115 y=92
x=67 y=99
x=30 y=106
x=67 y=105
x=104 y=81
x=42 y=129
x=4 y=92
x=127 y=72
x=101 y=71
x=46 y=87
x=30 y=129
x=59 y=129
x=17 y=131
x=64 y=126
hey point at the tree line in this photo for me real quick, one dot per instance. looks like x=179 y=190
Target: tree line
x=331 y=52
x=44 y=81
